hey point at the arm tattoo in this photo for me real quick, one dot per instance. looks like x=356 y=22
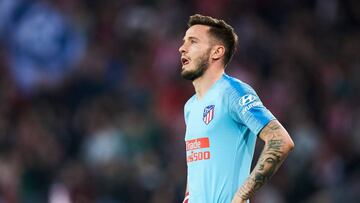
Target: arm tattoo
x=269 y=161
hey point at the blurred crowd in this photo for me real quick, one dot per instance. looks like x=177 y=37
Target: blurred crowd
x=91 y=98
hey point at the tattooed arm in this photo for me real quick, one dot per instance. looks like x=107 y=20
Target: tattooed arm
x=277 y=146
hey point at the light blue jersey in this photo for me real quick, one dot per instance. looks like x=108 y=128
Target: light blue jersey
x=221 y=131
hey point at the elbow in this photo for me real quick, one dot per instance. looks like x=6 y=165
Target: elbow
x=289 y=145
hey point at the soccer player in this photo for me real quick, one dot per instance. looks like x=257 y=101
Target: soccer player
x=223 y=120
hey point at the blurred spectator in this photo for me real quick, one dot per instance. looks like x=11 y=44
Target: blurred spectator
x=43 y=44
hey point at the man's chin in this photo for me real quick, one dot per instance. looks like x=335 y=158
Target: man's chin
x=189 y=75
x=195 y=73
x=185 y=74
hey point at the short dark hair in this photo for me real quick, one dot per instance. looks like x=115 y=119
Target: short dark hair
x=221 y=31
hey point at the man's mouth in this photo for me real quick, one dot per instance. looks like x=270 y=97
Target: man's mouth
x=184 y=61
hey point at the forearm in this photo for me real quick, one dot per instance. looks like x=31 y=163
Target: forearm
x=277 y=146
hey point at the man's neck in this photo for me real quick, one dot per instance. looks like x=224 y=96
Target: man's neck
x=205 y=82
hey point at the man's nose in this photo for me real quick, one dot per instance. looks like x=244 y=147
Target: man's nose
x=182 y=49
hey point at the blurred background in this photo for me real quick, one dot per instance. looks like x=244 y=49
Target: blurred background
x=91 y=98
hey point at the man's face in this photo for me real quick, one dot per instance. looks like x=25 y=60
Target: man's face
x=195 y=52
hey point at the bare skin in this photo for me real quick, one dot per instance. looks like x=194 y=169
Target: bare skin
x=277 y=146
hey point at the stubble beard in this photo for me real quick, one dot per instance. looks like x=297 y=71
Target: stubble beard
x=202 y=65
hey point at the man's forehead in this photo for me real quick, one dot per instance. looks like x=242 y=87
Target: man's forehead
x=197 y=31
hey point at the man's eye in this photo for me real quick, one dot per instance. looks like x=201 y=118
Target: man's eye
x=192 y=41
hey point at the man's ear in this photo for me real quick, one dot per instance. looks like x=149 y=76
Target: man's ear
x=218 y=51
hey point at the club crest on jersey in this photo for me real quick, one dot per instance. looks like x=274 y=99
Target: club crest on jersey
x=208 y=114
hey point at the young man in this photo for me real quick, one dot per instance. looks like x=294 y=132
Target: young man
x=223 y=120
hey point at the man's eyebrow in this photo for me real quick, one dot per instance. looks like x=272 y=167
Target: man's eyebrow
x=191 y=37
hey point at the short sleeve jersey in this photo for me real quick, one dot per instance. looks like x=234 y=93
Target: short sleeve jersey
x=221 y=131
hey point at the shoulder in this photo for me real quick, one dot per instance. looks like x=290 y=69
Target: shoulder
x=236 y=87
